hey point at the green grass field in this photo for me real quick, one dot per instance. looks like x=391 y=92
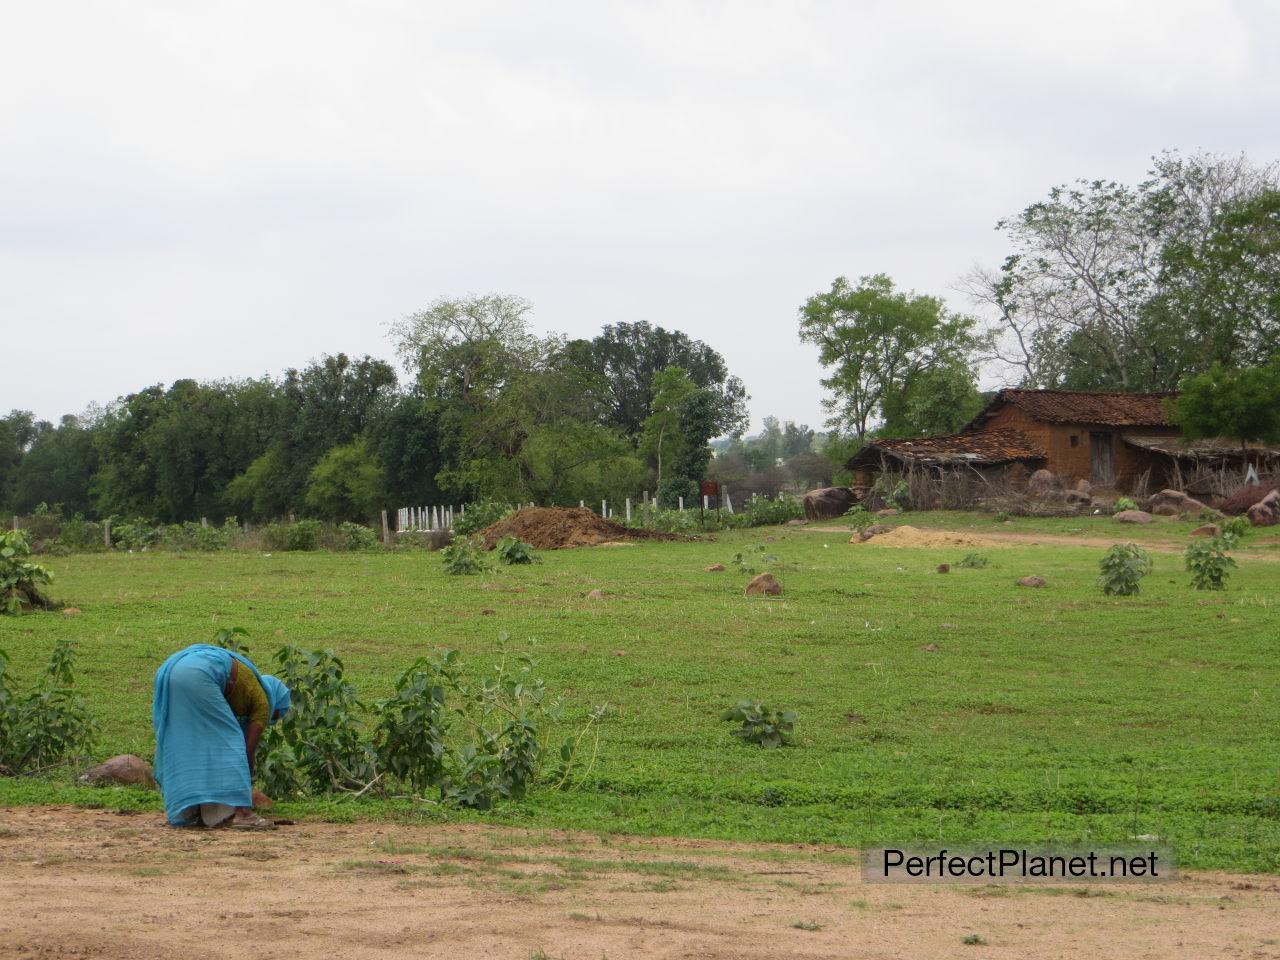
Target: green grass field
x=1044 y=715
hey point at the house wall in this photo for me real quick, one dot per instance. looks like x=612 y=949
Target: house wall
x=1072 y=462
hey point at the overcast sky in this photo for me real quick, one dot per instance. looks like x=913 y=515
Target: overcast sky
x=228 y=189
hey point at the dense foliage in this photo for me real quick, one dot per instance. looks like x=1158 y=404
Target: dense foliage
x=48 y=724
x=1122 y=568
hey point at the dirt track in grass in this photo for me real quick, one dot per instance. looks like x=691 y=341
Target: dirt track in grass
x=91 y=883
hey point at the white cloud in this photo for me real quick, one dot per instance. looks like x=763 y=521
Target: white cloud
x=195 y=189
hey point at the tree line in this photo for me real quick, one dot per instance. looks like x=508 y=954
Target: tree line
x=488 y=410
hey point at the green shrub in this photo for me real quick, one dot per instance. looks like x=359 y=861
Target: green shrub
x=479 y=516
x=21 y=577
x=471 y=743
x=1124 y=503
x=195 y=536
x=1000 y=517
x=860 y=517
x=81 y=535
x=514 y=551
x=760 y=724
x=1123 y=567
x=356 y=536
x=464 y=557
x=1233 y=531
x=763 y=512
x=229 y=639
x=973 y=560
x=1208 y=563
x=50 y=724
x=134 y=535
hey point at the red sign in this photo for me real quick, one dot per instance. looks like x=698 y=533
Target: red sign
x=710 y=488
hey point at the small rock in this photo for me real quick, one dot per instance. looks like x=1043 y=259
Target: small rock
x=71 y=611
x=930 y=648
x=871 y=531
x=486 y=613
x=946 y=626
x=888 y=512
x=714 y=568
x=796 y=523
x=595 y=595
x=764 y=585
x=619 y=653
x=1207 y=530
x=944 y=568
x=770 y=539
x=1132 y=516
x=124 y=769
x=1032 y=582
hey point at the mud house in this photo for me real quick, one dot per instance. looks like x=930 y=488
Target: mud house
x=1114 y=440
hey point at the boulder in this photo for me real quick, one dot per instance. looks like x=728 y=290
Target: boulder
x=714 y=568
x=1266 y=512
x=796 y=522
x=828 y=503
x=1032 y=582
x=1133 y=516
x=1042 y=483
x=1084 y=486
x=124 y=770
x=944 y=568
x=764 y=585
x=868 y=532
x=1245 y=497
x=888 y=512
x=595 y=595
x=1207 y=530
x=1078 y=498
x=1170 y=503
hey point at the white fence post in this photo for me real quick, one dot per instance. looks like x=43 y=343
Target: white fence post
x=682 y=504
x=604 y=509
x=628 y=509
x=706 y=502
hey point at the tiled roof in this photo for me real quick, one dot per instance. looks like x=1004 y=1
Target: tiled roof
x=1071 y=406
x=988 y=447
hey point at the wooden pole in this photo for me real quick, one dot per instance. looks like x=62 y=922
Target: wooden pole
x=386 y=530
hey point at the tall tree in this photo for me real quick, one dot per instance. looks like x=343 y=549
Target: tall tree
x=1111 y=286
x=628 y=356
x=876 y=340
x=1243 y=404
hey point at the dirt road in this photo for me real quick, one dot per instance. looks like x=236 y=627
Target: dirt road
x=90 y=883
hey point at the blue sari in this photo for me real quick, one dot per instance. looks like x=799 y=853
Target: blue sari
x=200 y=745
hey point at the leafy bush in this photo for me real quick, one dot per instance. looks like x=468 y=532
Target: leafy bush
x=318 y=746
x=302 y=535
x=763 y=512
x=1001 y=517
x=134 y=535
x=464 y=557
x=860 y=517
x=80 y=535
x=20 y=577
x=1124 y=503
x=479 y=516
x=229 y=639
x=1208 y=563
x=472 y=743
x=1233 y=531
x=973 y=560
x=1123 y=567
x=514 y=551
x=48 y=725
x=761 y=724
x=356 y=536
x=195 y=536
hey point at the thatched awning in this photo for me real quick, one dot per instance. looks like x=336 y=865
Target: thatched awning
x=1208 y=448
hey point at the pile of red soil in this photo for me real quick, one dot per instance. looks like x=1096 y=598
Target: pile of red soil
x=1248 y=495
x=551 y=528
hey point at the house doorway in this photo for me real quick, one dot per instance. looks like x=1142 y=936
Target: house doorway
x=1102 y=469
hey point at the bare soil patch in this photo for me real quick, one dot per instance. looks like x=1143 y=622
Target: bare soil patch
x=555 y=528
x=909 y=536
x=90 y=883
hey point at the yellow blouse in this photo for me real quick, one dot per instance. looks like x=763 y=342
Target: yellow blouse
x=246 y=696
